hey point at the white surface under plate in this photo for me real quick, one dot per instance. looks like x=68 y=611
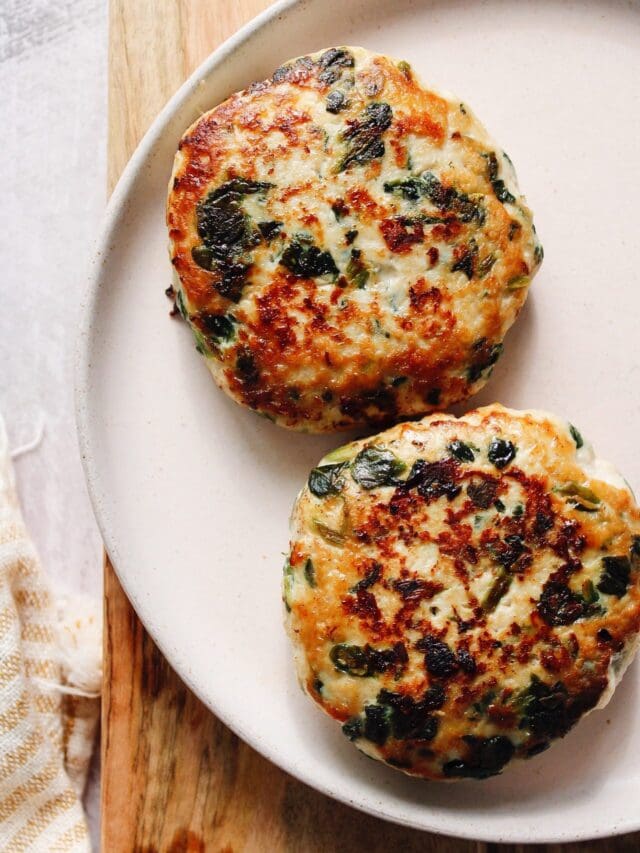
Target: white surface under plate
x=193 y=493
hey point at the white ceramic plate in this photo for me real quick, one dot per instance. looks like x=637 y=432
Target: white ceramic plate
x=193 y=493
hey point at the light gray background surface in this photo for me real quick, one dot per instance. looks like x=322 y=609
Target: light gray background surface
x=53 y=63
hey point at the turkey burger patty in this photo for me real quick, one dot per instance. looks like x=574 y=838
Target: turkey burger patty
x=350 y=247
x=459 y=592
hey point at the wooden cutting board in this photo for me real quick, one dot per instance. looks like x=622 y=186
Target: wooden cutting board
x=175 y=779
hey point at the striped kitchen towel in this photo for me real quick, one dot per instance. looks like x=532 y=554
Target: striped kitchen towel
x=50 y=673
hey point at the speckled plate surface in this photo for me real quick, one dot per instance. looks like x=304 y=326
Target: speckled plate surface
x=193 y=494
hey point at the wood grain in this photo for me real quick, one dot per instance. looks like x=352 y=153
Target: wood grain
x=175 y=779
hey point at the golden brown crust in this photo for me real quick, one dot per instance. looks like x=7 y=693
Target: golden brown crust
x=481 y=598
x=368 y=253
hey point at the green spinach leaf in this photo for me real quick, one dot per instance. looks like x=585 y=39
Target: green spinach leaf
x=310 y=572
x=499 y=187
x=616 y=572
x=326 y=480
x=376 y=466
x=364 y=136
x=575 y=435
x=307 y=260
x=501 y=452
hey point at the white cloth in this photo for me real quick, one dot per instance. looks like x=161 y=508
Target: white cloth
x=50 y=675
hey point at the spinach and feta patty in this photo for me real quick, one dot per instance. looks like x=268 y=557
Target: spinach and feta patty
x=459 y=592
x=349 y=246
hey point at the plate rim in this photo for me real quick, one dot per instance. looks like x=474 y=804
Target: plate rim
x=453 y=826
